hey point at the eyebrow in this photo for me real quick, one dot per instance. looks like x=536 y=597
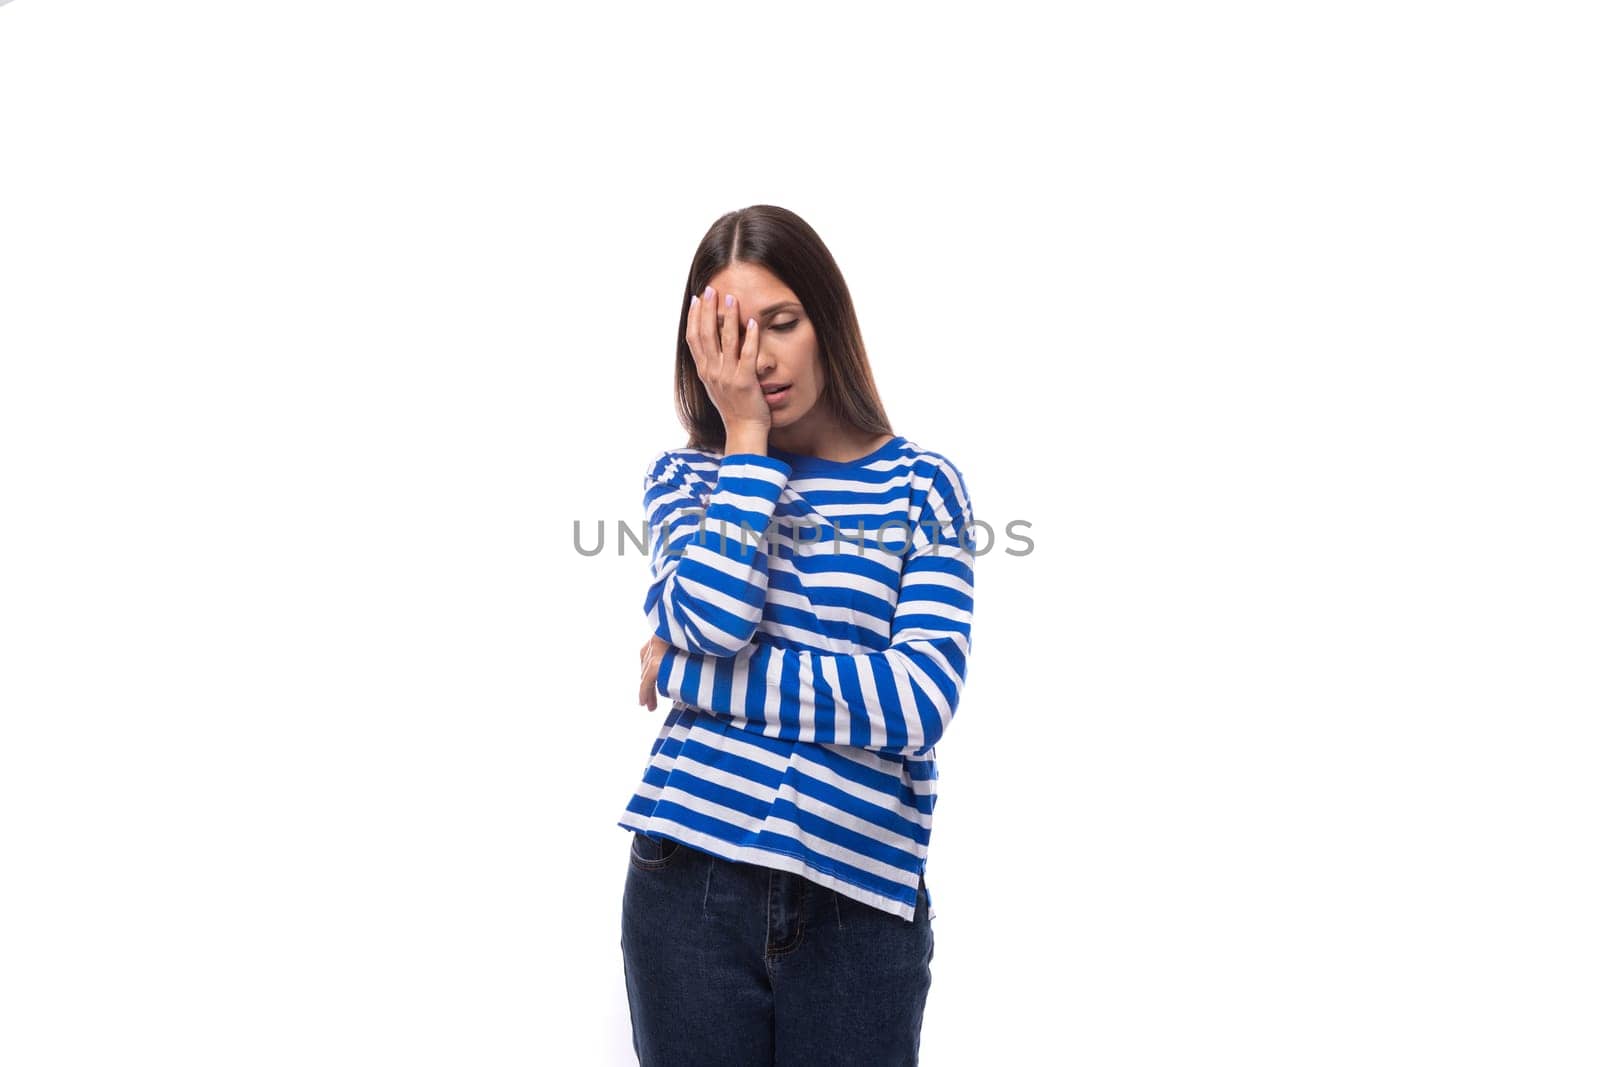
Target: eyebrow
x=770 y=309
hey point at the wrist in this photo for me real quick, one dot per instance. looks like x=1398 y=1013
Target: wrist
x=746 y=439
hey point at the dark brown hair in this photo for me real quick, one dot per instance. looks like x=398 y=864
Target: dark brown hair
x=786 y=245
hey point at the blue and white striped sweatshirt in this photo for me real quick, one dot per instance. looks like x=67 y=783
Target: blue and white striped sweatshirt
x=818 y=652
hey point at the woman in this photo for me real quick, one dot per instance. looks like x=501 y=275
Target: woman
x=813 y=639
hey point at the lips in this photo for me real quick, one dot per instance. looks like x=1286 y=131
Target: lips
x=776 y=395
x=770 y=389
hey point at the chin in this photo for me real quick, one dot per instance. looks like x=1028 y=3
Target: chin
x=789 y=414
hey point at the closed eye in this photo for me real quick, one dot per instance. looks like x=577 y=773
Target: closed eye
x=782 y=326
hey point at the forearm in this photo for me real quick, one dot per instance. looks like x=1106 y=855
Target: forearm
x=899 y=700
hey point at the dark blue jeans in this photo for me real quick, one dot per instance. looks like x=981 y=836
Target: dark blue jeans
x=741 y=965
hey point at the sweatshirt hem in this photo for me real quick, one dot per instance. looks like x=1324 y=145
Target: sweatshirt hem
x=783 y=861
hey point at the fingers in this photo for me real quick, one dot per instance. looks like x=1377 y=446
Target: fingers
x=752 y=346
x=712 y=332
x=691 y=333
x=710 y=350
x=650 y=663
x=730 y=333
x=647 y=690
x=725 y=352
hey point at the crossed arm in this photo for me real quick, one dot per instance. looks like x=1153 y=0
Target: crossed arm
x=897 y=700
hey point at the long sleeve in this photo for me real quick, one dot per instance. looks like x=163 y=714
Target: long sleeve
x=708 y=587
x=898 y=700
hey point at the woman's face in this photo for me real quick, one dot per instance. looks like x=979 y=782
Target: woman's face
x=788 y=344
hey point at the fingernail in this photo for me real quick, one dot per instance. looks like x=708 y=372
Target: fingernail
x=727 y=301
x=693 y=300
x=708 y=292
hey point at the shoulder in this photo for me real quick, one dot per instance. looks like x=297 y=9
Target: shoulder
x=681 y=467
x=936 y=474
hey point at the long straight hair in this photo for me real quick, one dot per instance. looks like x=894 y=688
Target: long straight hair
x=783 y=243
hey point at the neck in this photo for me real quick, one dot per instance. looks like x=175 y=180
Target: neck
x=831 y=440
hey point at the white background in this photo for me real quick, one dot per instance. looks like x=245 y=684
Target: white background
x=321 y=323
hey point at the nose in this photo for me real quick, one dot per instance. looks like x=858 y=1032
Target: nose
x=765 y=363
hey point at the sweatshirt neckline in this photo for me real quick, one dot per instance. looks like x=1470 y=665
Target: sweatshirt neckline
x=800 y=461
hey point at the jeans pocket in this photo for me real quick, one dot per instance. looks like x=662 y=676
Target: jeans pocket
x=652 y=853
